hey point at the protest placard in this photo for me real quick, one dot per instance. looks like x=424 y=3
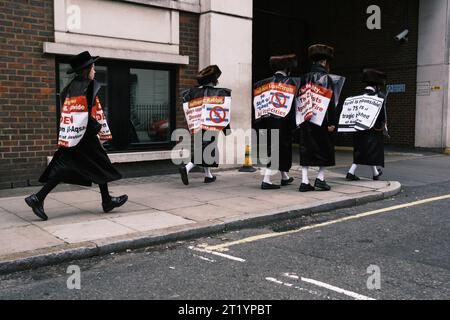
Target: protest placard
x=360 y=113
x=73 y=121
x=312 y=104
x=207 y=109
x=273 y=99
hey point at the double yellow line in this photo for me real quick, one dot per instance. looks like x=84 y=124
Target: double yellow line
x=225 y=246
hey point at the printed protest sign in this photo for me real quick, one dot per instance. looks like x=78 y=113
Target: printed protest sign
x=347 y=119
x=193 y=111
x=273 y=98
x=312 y=104
x=73 y=121
x=360 y=113
x=207 y=109
x=216 y=113
x=99 y=115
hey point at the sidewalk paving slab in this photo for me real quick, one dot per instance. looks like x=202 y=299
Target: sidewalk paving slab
x=161 y=210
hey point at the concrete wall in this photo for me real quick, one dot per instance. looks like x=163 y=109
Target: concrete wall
x=432 y=115
x=226 y=40
x=117 y=30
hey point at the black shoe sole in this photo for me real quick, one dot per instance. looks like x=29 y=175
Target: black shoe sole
x=108 y=210
x=285 y=183
x=274 y=187
x=184 y=176
x=35 y=211
x=210 y=181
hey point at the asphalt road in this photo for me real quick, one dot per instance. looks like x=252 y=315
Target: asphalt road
x=409 y=246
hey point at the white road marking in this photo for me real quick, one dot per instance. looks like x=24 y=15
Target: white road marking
x=226 y=256
x=354 y=295
x=290 y=285
x=351 y=294
x=204 y=258
x=225 y=246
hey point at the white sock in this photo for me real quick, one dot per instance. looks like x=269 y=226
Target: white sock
x=284 y=175
x=321 y=175
x=353 y=169
x=375 y=171
x=268 y=176
x=189 y=167
x=305 y=178
x=208 y=173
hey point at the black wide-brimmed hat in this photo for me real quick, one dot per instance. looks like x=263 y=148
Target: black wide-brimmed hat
x=319 y=52
x=287 y=61
x=81 y=61
x=209 y=75
x=373 y=76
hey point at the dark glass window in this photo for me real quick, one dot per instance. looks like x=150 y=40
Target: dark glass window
x=137 y=101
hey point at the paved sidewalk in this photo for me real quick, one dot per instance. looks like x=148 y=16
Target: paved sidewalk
x=160 y=209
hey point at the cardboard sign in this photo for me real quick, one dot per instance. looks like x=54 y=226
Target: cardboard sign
x=360 y=113
x=97 y=113
x=73 y=121
x=193 y=111
x=273 y=98
x=312 y=104
x=208 y=112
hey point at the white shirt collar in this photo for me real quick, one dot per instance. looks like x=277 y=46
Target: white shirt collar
x=282 y=73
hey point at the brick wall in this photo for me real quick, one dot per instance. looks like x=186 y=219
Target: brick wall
x=27 y=91
x=358 y=48
x=189 y=46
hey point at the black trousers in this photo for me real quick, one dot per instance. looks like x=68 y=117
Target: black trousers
x=284 y=143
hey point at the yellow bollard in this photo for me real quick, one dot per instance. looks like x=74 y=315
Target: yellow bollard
x=248 y=165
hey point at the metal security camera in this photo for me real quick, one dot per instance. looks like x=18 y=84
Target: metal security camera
x=403 y=36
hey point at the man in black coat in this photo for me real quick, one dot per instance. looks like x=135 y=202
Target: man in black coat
x=282 y=87
x=317 y=140
x=369 y=144
x=208 y=79
x=80 y=159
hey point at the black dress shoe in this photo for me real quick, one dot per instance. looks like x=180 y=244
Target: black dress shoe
x=352 y=177
x=114 y=203
x=306 y=188
x=210 y=180
x=184 y=176
x=285 y=183
x=377 y=178
x=37 y=206
x=321 y=185
x=269 y=186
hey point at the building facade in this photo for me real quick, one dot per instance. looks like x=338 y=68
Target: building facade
x=152 y=49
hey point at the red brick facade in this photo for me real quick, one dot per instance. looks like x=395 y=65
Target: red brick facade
x=189 y=46
x=27 y=90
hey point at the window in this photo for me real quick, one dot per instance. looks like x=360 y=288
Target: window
x=138 y=101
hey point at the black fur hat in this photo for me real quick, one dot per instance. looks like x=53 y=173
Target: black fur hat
x=288 y=61
x=318 y=52
x=374 y=77
x=209 y=75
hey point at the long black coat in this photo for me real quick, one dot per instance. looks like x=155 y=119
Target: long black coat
x=317 y=143
x=87 y=162
x=369 y=144
x=210 y=142
x=285 y=126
